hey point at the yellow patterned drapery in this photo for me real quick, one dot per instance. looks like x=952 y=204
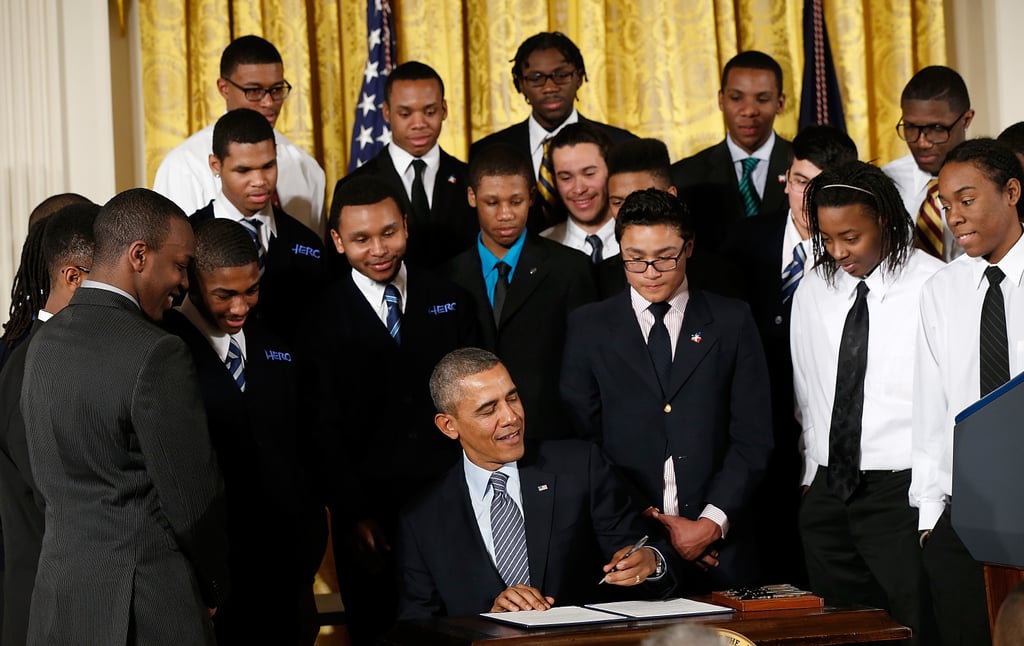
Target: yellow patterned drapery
x=653 y=65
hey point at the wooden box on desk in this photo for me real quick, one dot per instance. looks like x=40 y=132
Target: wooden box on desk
x=787 y=602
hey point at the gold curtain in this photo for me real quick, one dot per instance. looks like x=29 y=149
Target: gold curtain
x=653 y=65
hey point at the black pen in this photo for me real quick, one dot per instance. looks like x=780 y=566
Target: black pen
x=640 y=543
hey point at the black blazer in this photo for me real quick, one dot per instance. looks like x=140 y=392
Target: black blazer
x=453 y=224
x=518 y=135
x=277 y=529
x=707 y=183
x=21 y=504
x=714 y=421
x=293 y=275
x=549 y=282
x=374 y=433
x=577 y=514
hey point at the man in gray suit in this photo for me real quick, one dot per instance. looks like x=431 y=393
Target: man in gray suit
x=133 y=547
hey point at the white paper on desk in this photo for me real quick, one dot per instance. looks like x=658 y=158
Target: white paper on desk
x=656 y=609
x=559 y=616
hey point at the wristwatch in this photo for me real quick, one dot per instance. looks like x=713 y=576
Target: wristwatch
x=659 y=567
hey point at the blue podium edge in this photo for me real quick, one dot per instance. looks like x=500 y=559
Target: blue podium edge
x=989 y=398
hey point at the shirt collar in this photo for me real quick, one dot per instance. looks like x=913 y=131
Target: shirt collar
x=538 y=133
x=95 y=284
x=878 y=282
x=676 y=301
x=401 y=158
x=223 y=208
x=738 y=154
x=43 y=316
x=479 y=479
x=511 y=258
x=576 y=236
x=1012 y=265
x=374 y=291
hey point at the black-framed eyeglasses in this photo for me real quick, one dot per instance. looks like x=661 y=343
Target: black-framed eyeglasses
x=540 y=79
x=937 y=133
x=659 y=264
x=84 y=270
x=256 y=94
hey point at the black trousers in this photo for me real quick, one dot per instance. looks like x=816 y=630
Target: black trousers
x=866 y=550
x=957 y=585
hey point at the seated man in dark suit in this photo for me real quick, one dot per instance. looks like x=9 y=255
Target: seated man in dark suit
x=774 y=250
x=743 y=175
x=370 y=342
x=514 y=526
x=291 y=261
x=277 y=530
x=65 y=253
x=638 y=164
x=548 y=70
x=431 y=183
x=524 y=286
x=673 y=383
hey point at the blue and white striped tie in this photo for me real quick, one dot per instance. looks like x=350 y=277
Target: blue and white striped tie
x=234 y=363
x=394 y=321
x=509 y=534
x=793 y=272
x=252 y=227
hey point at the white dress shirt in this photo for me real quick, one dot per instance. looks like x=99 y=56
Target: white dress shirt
x=790 y=239
x=219 y=340
x=480 y=494
x=373 y=292
x=95 y=284
x=816 y=332
x=222 y=208
x=912 y=183
x=186 y=178
x=674 y=323
x=402 y=161
x=570 y=234
x=538 y=135
x=43 y=316
x=764 y=154
x=947 y=370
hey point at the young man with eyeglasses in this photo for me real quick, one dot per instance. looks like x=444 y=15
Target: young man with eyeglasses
x=548 y=70
x=251 y=76
x=672 y=382
x=936 y=113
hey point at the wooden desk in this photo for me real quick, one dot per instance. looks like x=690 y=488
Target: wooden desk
x=828 y=625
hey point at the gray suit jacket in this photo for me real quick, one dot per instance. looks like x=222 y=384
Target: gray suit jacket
x=134 y=541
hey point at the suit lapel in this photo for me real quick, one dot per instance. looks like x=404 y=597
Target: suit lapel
x=630 y=345
x=538 y=491
x=530 y=272
x=466 y=267
x=774 y=191
x=463 y=533
x=361 y=313
x=696 y=338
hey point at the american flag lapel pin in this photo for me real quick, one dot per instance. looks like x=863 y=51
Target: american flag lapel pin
x=451 y=179
x=782 y=178
x=695 y=337
x=542 y=487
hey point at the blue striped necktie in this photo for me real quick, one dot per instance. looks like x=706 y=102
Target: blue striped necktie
x=509 y=534
x=751 y=201
x=252 y=227
x=234 y=363
x=394 y=320
x=793 y=272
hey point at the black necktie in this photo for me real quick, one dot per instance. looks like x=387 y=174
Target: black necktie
x=420 y=205
x=596 y=248
x=848 y=407
x=659 y=344
x=995 y=352
x=500 y=290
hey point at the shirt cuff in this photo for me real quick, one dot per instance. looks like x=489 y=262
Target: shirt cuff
x=721 y=519
x=664 y=564
x=928 y=514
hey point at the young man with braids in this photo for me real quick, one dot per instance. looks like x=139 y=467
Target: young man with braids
x=854 y=321
x=65 y=252
x=548 y=70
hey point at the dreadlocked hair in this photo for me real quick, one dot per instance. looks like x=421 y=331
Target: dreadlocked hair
x=864 y=184
x=31 y=285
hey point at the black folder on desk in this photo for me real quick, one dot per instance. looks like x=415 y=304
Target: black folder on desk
x=988 y=476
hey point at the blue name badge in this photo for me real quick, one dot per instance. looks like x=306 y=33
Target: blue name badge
x=274 y=355
x=303 y=250
x=442 y=308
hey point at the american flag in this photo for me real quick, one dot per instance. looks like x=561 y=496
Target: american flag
x=370 y=133
x=820 y=103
